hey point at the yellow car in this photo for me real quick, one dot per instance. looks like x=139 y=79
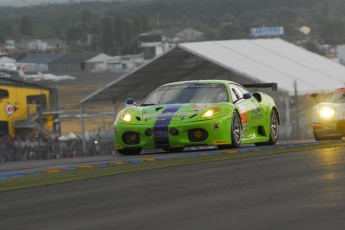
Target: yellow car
x=328 y=118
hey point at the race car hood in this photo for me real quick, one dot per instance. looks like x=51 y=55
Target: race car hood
x=340 y=106
x=176 y=112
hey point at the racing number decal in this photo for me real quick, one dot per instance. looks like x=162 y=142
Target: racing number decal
x=244 y=118
x=243 y=114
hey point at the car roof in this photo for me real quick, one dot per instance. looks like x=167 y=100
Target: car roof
x=200 y=81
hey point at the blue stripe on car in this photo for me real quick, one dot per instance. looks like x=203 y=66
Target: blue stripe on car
x=160 y=129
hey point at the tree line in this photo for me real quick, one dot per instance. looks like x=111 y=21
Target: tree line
x=113 y=27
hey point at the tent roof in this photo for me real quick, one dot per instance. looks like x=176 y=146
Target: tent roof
x=274 y=60
x=101 y=58
x=242 y=61
x=40 y=58
x=73 y=58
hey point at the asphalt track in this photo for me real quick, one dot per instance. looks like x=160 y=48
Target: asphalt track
x=27 y=167
x=297 y=190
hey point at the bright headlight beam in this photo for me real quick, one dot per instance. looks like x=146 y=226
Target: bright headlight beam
x=126 y=117
x=210 y=112
x=327 y=112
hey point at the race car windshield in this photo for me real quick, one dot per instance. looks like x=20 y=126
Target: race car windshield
x=338 y=96
x=188 y=93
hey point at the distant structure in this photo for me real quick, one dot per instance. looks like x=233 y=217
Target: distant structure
x=28 y=109
x=157 y=42
x=43 y=45
x=79 y=62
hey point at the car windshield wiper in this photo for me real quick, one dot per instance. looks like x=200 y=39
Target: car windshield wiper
x=237 y=100
x=147 y=104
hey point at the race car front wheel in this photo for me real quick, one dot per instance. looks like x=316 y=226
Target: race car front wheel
x=317 y=137
x=236 y=131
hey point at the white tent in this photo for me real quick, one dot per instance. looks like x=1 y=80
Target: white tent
x=243 y=61
x=273 y=60
x=101 y=62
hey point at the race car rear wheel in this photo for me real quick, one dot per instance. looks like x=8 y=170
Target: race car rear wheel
x=129 y=151
x=274 y=130
x=236 y=131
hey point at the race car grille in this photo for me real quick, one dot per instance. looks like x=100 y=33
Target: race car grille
x=131 y=138
x=197 y=135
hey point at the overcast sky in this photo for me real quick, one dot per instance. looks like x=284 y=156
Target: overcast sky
x=28 y=2
x=37 y=2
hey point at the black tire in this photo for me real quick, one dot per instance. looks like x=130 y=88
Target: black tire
x=236 y=129
x=317 y=137
x=274 y=130
x=235 y=133
x=174 y=150
x=129 y=151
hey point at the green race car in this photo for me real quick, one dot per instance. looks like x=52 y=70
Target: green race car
x=197 y=113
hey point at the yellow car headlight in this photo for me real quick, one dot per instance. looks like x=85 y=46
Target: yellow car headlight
x=126 y=117
x=326 y=112
x=210 y=112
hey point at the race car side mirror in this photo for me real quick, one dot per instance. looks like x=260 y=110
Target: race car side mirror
x=314 y=95
x=247 y=96
x=130 y=102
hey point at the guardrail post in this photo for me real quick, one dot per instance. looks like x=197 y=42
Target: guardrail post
x=82 y=127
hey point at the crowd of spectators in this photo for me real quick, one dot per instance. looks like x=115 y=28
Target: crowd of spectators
x=39 y=148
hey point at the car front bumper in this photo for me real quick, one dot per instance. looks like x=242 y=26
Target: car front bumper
x=329 y=129
x=175 y=135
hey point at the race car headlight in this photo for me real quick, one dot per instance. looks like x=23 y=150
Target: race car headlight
x=326 y=112
x=210 y=112
x=126 y=117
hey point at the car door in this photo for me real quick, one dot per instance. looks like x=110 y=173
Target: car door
x=248 y=108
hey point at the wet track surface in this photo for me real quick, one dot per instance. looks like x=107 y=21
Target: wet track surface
x=296 y=190
x=19 y=167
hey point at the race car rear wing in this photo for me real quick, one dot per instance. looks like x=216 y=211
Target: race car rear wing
x=272 y=85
